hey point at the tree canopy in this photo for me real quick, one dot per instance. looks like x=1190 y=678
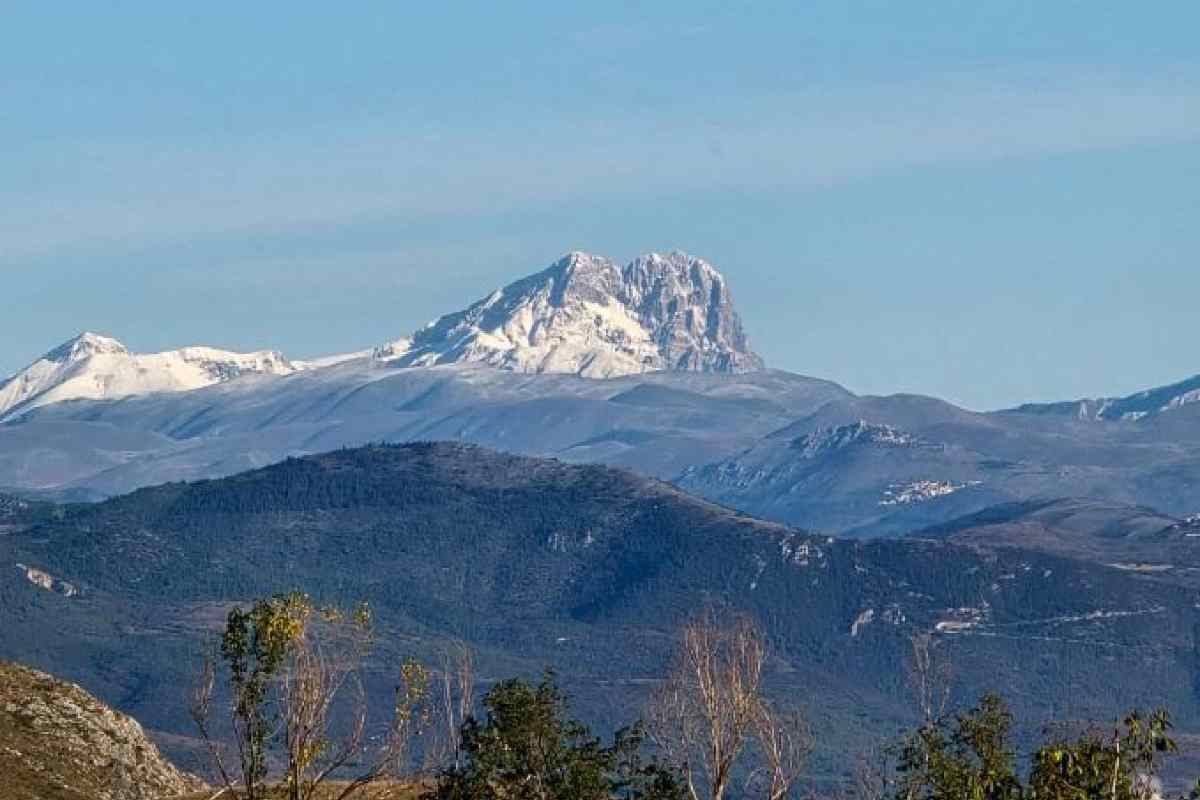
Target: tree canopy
x=526 y=746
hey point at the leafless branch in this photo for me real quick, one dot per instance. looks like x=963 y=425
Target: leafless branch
x=200 y=709
x=703 y=715
x=785 y=741
x=930 y=676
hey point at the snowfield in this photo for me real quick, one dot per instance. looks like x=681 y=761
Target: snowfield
x=95 y=367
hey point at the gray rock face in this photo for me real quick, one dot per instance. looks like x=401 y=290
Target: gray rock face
x=825 y=440
x=588 y=316
x=688 y=306
x=56 y=740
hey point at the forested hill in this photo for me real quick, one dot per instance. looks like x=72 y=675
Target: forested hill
x=419 y=525
x=584 y=568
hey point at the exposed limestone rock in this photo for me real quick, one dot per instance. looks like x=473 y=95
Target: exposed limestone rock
x=57 y=742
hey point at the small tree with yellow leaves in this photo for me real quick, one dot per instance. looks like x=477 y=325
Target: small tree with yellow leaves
x=292 y=667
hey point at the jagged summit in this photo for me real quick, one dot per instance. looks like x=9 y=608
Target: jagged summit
x=587 y=315
x=92 y=366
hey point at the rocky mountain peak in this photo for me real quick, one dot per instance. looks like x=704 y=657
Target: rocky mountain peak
x=586 y=315
x=687 y=301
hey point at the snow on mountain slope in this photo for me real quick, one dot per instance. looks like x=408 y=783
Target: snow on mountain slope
x=95 y=367
x=331 y=361
x=588 y=316
x=1148 y=403
x=584 y=315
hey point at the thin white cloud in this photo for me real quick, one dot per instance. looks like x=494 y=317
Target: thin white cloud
x=82 y=195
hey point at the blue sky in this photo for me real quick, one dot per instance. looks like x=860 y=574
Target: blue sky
x=987 y=201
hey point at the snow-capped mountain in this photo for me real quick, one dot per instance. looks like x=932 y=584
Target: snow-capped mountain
x=95 y=367
x=587 y=315
x=584 y=315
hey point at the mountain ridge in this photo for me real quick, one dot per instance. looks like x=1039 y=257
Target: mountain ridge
x=583 y=315
x=93 y=366
x=1133 y=407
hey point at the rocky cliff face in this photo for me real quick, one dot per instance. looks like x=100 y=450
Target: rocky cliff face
x=589 y=316
x=57 y=742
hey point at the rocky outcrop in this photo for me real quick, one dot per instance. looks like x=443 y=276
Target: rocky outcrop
x=57 y=742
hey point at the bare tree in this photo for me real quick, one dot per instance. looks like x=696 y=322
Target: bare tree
x=457 y=703
x=785 y=741
x=930 y=676
x=322 y=664
x=410 y=715
x=200 y=710
x=707 y=710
